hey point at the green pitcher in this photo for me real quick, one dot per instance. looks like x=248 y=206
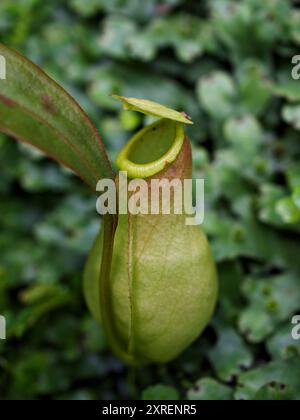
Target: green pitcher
x=163 y=282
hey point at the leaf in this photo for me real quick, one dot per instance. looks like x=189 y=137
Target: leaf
x=245 y=134
x=230 y=355
x=232 y=239
x=40 y=300
x=94 y=336
x=282 y=345
x=291 y=115
x=150 y=8
x=280 y=374
x=87 y=8
x=278 y=210
x=294 y=26
x=208 y=389
x=289 y=89
x=288 y=210
x=217 y=93
x=160 y=392
x=187 y=34
x=115 y=36
x=154 y=109
x=293 y=176
x=274 y=392
x=269 y=196
x=230 y=280
x=254 y=87
x=35 y=109
x=296 y=196
x=272 y=301
x=249 y=28
x=50 y=176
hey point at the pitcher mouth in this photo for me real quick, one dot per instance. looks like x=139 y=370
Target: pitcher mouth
x=152 y=149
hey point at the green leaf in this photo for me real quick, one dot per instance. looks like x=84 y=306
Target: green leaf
x=291 y=114
x=35 y=109
x=154 y=109
x=208 y=389
x=249 y=28
x=217 y=93
x=160 y=392
x=230 y=280
x=269 y=196
x=296 y=196
x=282 y=345
x=232 y=239
x=87 y=8
x=295 y=25
x=288 y=210
x=230 y=355
x=187 y=34
x=293 y=176
x=289 y=89
x=280 y=374
x=245 y=134
x=94 y=335
x=277 y=209
x=40 y=300
x=115 y=36
x=274 y=392
x=272 y=301
x=254 y=87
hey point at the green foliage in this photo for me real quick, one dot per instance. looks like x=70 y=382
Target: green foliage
x=276 y=380
x=230 y=355
x=37 y=111
x=208 y=389
x=160 y=392
x=228 y=64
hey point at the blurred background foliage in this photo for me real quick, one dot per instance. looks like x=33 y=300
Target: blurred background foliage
x=228 y=64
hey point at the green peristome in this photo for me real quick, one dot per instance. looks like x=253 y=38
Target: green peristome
x=163 y=277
